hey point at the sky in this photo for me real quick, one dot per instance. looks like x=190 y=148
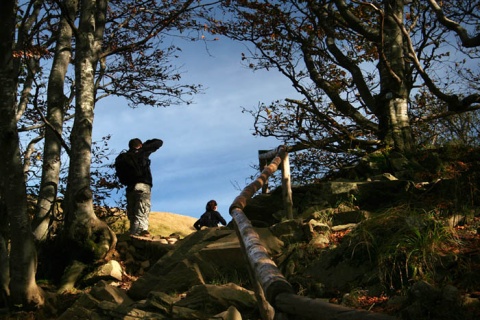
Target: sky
x=208 y=148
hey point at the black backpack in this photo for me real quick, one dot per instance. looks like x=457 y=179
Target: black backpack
x=127 y=168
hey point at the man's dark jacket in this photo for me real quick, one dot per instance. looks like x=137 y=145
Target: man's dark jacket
x=143 y=154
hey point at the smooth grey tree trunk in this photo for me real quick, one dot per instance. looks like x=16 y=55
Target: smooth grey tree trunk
x=56 y=104
x=394 y=123
x=91 y=236
x=24 y=292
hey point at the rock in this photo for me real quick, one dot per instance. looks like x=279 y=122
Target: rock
x=272 y=243
x=112 y=270
x=471 y=301
x=317 y=227
x=343 y=227
x=105 y=292
x=172 y=240
x=70 y=276
x=422 y=290
x=83 y=308
x=213 y=299
x=318 y=213
x=202 y=256
x=379 y=194
x=179 y=279
x=318 y=233
x=289 y=231
x=113 y=312
x=456 y=220
x=320 y=241
x=383 y=177
x=226 y=254
x=186 y=313
x=145 y=264
x=160 y=301
x=347 y=217
x=265 y=208
x=163 y=241
x=231 y=314
x=451 y=296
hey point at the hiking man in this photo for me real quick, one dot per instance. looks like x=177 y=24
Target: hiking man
x=139 y=185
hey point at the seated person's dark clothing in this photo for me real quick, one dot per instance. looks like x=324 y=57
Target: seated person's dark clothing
x=210 y=218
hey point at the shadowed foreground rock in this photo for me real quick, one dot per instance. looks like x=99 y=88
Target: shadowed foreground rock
x=323 y=253
x=201 y=302
x=178 y=285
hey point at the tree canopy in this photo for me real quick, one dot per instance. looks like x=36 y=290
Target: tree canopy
x=367 y=72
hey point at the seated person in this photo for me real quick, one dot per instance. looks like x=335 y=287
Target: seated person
x=211 y=217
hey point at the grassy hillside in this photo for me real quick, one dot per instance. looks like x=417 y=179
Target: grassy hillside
x=166 y=223
x=161 y=224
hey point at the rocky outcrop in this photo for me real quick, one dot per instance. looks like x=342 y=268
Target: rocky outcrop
x=205 y=275
x=179 y=284
x=205 y=256
x=105 y=301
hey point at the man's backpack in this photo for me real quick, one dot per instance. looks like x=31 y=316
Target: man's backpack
x=127 y=168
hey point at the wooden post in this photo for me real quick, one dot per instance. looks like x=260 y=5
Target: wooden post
x=286 y=186
x=264 y=156
x=248 y=192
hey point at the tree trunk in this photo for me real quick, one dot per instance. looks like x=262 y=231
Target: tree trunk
x=92 y=238
x=56 y=104
x=394 y=124
x=4 y=270
x=24 y=292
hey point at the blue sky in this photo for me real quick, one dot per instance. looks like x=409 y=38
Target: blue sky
x=209 y=149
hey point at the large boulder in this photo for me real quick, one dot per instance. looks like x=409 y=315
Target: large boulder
x=209 y=255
